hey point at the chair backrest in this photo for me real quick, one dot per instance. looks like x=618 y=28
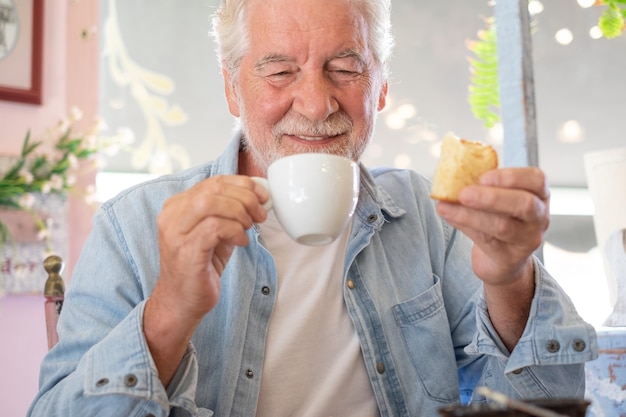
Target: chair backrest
x=54 y=292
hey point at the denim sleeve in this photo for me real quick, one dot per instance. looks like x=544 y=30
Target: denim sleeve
x=548 y=360
x=117 y=376
x=102 y=364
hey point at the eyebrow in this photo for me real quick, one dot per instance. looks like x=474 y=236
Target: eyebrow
x=271 y=58
x=351 y=53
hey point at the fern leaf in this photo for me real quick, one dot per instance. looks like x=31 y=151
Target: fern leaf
x=483 y=94
x=611 y=22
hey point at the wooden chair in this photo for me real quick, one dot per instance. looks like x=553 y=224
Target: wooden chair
x=54 y=292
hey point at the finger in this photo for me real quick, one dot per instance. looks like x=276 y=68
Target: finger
x=481 y=225
x=229 y=197
x=205 y=237
x=517 y=203
x=220 y=258
x=531 y=179
x=218 y=231
x=499 y=246
x=188 y=215
x=203 y=252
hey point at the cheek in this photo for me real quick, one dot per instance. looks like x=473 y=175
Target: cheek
x=266 y=106
x=360 y=106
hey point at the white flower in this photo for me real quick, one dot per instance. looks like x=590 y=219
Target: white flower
x=44 y=233
x=91 y=142
x=111 y=150
x=99 y=124
x=99 y=162
x=125 y=135
x=70 y=181
x=63 y=125
x=91 y=197
x=27 y=176
x=56 y=182
x=72 y=160
x=26 y=201
x=46 y=187
x=46 y=228
x=75 y=114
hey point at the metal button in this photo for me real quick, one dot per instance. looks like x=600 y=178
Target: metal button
x=579 y=345
x=102 y=382
x=553 y=346
x=380 y=368
x=350 y=284
x=250 y=374
x=265 y=290
x=372 y=218
x=517 y=371
x=130 y=380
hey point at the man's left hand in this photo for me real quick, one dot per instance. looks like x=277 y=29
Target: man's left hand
x=506 y=215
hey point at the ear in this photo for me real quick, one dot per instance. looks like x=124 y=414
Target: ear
x=382 y=98
x=231 y=94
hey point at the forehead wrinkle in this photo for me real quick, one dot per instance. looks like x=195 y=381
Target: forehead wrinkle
x=288 y=29
x=263 y=16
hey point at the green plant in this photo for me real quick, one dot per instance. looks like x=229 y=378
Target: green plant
x=483 y=90
x=48 y=166
x=611 y=22
x=484 y=97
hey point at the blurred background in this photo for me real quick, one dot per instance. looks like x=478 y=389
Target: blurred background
x=159 y=79
x=148 y=69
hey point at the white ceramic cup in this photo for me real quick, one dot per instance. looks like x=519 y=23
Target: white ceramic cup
x=313 y=195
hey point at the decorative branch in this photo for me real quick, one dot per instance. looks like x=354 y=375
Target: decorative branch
x=147 y=88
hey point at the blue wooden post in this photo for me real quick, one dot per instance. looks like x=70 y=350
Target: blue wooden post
x=515 y=76
x=517 y=87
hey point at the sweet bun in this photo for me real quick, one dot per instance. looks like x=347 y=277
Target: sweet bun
x=461 y=164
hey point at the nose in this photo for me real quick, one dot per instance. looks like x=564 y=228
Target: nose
x=314 y=97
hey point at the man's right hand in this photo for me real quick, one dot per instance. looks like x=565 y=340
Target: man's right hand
x=198 y=231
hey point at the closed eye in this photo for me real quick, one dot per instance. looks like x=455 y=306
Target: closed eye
x=343 y=75
x=281 y=73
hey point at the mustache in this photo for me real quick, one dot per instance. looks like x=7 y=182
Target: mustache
x=295 y=124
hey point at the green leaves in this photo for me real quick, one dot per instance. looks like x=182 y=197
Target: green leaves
x=483 y=92
x=611 y=22
x=41 y=172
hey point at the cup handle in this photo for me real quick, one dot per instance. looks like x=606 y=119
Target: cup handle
x=263 y=182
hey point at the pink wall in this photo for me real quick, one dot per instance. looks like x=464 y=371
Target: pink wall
x=70 y=78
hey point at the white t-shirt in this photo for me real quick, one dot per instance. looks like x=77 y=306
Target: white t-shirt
x=313 y=365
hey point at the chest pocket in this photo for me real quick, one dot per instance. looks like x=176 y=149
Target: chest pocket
x=426 y=332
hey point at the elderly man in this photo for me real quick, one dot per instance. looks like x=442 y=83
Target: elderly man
x=189 y=299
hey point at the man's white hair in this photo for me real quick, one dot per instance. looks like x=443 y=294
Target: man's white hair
x=230 y=31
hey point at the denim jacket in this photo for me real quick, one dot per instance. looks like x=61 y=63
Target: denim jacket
x=409 y=289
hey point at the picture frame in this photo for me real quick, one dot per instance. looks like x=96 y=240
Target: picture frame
x=21 y=50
